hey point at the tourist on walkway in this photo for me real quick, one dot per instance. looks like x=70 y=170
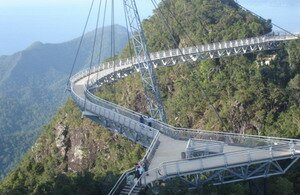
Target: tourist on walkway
x=137 y=172
x=150 y=120
x=142 y=120
x=141 y=170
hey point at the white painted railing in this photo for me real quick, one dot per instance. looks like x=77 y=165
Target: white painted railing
x=130 y=119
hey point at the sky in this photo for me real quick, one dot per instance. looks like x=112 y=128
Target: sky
x=284 y=13
x=23 y=22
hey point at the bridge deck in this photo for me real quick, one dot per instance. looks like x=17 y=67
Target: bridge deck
x=168 y=149
x=166 y=159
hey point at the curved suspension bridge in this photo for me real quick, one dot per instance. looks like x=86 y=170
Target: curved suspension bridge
x=185 y=153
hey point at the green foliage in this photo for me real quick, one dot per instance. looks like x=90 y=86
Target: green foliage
x=294 y=58
x=249 y=96
x=45 y=170
x=32 y=87
x=200 y=21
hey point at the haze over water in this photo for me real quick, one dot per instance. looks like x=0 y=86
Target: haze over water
x=284 y=13
x=24 y=22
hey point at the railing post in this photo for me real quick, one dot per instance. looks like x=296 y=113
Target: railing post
x=292 y=147
x=225 y=160
x=177 y=168
x=165 y=169
x=249 y=157
x=201 y=163
x=271 y=151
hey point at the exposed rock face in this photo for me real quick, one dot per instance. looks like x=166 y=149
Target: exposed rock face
x=80 y=150
x=61 y=139
x=76 y=147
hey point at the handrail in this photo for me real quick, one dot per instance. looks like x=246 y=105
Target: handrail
x=227 y=156
x=135 y=184
x=116 y=106
x=120 y=180
x=150 y=151
x=161 y=171
x=174 y=132
x=234 y=153
x=151 y=148
x=197 y=48
x=166 y=128
x=183 y=133
x=148 y=154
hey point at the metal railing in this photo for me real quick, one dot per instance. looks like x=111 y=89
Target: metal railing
x=148 y=157
x=151 y=150
x=182 y=133
x=186 y=51
x=121 y=180
x=221 y=160
x=111 y=114
x=146 y=160
x=200 y=147
x=130 y=118
x=228 y=138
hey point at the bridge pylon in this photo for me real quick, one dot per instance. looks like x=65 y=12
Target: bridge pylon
x=145 y=65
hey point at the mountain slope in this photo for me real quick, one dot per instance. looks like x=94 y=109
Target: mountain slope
x=72 y=156
x=249 y=96
x=33 y=86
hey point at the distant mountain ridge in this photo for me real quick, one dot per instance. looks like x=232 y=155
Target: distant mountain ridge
x=40 y=58
x=33 y=81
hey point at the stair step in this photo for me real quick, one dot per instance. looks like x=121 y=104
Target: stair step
x=133 y=193
x=135 y=190
x=127 y=189
x=128 y=192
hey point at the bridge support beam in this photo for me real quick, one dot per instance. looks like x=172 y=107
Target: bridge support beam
x=145 y=63
x=250 y=171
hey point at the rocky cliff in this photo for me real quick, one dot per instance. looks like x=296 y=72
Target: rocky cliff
x=76 y=156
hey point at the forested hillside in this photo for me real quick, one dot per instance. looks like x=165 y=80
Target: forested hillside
x=32 y=87
x=72 y=156
x=250 y=94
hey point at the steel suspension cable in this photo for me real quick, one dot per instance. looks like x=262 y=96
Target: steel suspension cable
x=93 y=48
x=128 y=34
x=194 y=44
x=169 y=28
x=80 y=42
x=260 y=17
x=102 y=36
x=113 y=44
x=112 y=34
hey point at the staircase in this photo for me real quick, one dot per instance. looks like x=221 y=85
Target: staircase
x=127 y=189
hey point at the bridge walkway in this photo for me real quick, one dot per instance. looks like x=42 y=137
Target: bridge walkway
x=240 y=151
x=167 y=161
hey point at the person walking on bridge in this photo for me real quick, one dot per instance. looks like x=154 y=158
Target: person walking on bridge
x=150 y=120
x=141 y=170
x=142 y=120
